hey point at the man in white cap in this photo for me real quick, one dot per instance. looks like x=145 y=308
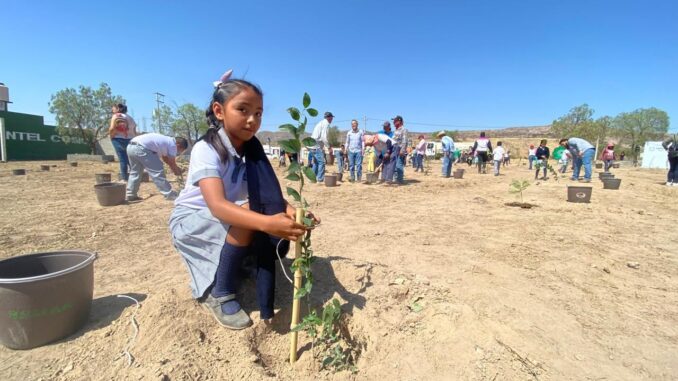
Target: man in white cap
x=448 y=153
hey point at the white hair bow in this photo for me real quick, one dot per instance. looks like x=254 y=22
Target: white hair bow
x=223 y=78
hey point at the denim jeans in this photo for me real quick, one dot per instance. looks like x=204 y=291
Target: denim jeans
x=142 y=159
x=585 y=160
x=309 y=162
x=120 y=146
x=530 y=160
x=399 y=166
x=355 y=165
x=319 y=164
x=447 y=163
x=608 y=165
x=497 y=165
x=672 y=176
x=419 y=162
x=340 y=163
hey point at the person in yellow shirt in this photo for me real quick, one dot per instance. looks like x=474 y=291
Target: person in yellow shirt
x=370 y=157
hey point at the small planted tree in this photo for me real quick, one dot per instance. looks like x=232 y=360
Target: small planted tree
x=517 y=187
x=550 y=168
x=321 y=327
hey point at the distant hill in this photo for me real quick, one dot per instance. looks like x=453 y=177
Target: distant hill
x=510 y=132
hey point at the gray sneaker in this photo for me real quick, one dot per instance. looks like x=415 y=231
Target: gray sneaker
x=171 y=196
x=238 y=320
x=133 y=198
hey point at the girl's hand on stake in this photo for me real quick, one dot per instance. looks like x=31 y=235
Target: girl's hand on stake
x=316 y=220
x=283 y=226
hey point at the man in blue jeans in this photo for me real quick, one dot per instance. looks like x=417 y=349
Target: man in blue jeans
x=320 y=136
x=401 y=142
x=356 y=149
x=583 y=152
x=448 y=152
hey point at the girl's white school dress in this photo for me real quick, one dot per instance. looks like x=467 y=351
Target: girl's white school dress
x=196 y=233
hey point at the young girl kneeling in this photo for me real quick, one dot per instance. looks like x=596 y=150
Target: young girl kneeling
x=232 y=205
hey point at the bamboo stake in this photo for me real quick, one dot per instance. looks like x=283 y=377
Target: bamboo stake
x=297 y=285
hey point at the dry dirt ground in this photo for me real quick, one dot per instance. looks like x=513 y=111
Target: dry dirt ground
x=501 y=293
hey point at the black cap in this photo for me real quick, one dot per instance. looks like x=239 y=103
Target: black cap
x=328 y=115
x=387 y=124
x=398 y=117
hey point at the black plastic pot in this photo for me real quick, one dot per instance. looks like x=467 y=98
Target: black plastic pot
x=18 y=172
x=458 y=174
x=605 y=175
x=110 y=194
x=44 y=167
x=340 y=176
x=73 y=163
x=599 y=165
x=330 y=180
x=579 y=194
x=44 y=297
x=611 y=183
x=102 y=178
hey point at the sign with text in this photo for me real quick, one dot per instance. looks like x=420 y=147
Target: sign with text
x=27 y=138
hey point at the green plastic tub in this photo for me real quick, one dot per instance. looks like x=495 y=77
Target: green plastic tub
x=44 y=297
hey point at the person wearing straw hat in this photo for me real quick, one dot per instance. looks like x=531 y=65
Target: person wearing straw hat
x=448 y=152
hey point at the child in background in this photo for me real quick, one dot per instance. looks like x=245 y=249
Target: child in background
x=498 y=157
x=607 y=156
x=220 y=217
x=564 y=159
x=542 y=155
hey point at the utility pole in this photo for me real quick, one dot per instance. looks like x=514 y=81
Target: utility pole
x=365 y=124
x=159 y=98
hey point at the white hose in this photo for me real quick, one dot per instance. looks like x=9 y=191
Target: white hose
x=130 y=343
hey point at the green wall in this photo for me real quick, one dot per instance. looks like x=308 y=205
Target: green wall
x=28 y=138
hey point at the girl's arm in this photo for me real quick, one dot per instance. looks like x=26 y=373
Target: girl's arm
x=279 y=225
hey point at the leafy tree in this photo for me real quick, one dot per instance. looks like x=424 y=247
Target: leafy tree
x=641 y=125
x=334 y=136
x=578 y=122
x=189 y=122
x=84 y=112
x=163 y=120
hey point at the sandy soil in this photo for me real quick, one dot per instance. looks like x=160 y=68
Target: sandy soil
x=507 y=293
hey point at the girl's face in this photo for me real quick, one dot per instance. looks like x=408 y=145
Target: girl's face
x=241 y=116
x=114 y=109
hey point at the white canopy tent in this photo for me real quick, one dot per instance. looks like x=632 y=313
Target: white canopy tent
x=654 y=156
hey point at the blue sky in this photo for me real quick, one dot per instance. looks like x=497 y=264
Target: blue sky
x=462 y=64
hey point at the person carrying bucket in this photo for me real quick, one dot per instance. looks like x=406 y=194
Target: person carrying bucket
x=448 y=152
x=583 y=153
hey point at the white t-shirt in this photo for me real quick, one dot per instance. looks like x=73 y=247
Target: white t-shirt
x=205 y=162
x=498 y=153
x=320 y=134
x=160 y=144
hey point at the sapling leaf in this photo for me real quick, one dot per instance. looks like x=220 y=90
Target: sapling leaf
x=307 y=100
x=294 y=167
x=291 y=145
x=293 y=177
x=312 y=112
x=289 y=128
x=308 y=221
x=309 y=142
x=294 y=113
x=310 y=174
x=293 y=192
